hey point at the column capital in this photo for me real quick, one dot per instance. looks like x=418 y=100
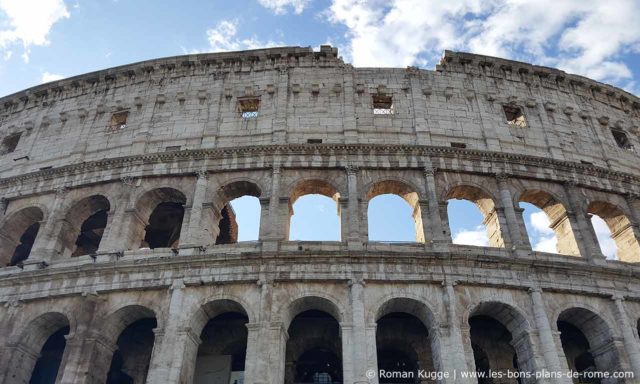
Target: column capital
x=502 y=177
x=201 y=174
x=631 y=197
x=129 y=181
x=356 y=281
x=570 y=183
x=61 y=191
x=534 y=290
x=617 y=297
x=430 y=171
x=276 y=169
x=351 y=169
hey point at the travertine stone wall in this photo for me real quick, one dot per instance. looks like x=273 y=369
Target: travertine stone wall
x=186 y=143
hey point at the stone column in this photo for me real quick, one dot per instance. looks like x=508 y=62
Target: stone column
x=112 y=239
x=74 y=367
x=354 y=236
x=632 y=236
x=176 y=346
x=19 y=363
x=435 y=228
x=514 y=225
x=276 y=339
x=44 y=248
x=281 y=105
x=193 y=231
x=583 y=230
x=360 y=347
x=274 y=229
x=452 y=352
x=257 y=367
x=631 y=345
x=545 y=333
x=348 y=350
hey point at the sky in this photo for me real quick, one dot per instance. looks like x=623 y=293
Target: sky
x=45 y=40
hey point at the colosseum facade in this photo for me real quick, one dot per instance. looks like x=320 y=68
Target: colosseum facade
x=118 y=247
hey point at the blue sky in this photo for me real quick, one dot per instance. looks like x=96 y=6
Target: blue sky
x=44 y=40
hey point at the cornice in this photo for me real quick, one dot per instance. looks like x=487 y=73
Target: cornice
x=501 y=159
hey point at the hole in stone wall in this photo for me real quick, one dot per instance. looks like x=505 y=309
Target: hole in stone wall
x=164 y=226
x=48 y=363
x=248 y=108
x=18 y=234
x=10 y=143
x=466 y=223
x=621 y=139
x=458 y=145
x=118 y=120
x=541 y=237
x=382 y=105
x=576 y=348
x=514 y=116
x=491 y=342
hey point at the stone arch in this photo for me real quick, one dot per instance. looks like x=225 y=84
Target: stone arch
x=519 y=334
x=407 y=334
x=28 y=346
x=309 y=302
x=159 y=213
x=621 y=229
x=220 y=326
x=598 y=334
x=17 y=234
x=403 y=189
x=308 y=187
x=128 y=340
x=314 y=343
x=224 y=216
x=555 y=210
x=81 y=229
x=485 y=201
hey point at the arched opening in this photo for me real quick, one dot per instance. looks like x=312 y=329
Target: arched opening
x=81 y=229
x=618 y=228
x=48 y=363
x=18 y=234
x=222 y=353
x=547 y=223
x=311 y=212
x=37 y=355
x=394 y=213
x=164 y=208
x=314 y=350
x=500 y=340
x=130 y=360
x=587 y=342
x=473 y=218
x=402 y=345
x=239 y=217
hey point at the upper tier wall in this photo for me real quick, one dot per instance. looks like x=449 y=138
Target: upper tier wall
x=191 y=102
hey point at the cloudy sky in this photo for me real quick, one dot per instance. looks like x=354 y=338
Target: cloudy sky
x=44 y=40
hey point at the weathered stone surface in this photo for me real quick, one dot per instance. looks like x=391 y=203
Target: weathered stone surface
x=185 y=145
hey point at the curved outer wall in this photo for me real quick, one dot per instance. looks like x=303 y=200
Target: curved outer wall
x=184 y=142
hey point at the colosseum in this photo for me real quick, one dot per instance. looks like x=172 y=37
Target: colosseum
x=119 y=252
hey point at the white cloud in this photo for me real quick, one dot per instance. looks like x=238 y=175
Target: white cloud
x=543 y=238
x=607 y=244
x=279 y=7
x=28 y=22
x=546 y=244
x=47 y=77
x=540 y=222
x=580 y=36
x=223 y=38
x=477 y=236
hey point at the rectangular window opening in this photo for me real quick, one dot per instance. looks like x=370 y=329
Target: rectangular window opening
x=314 y=141
x=172 y=148
x=10 y=143
x=458 y=145
x=514 y=116
x=248 y=108
x=382 y=105
x=119 y=120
